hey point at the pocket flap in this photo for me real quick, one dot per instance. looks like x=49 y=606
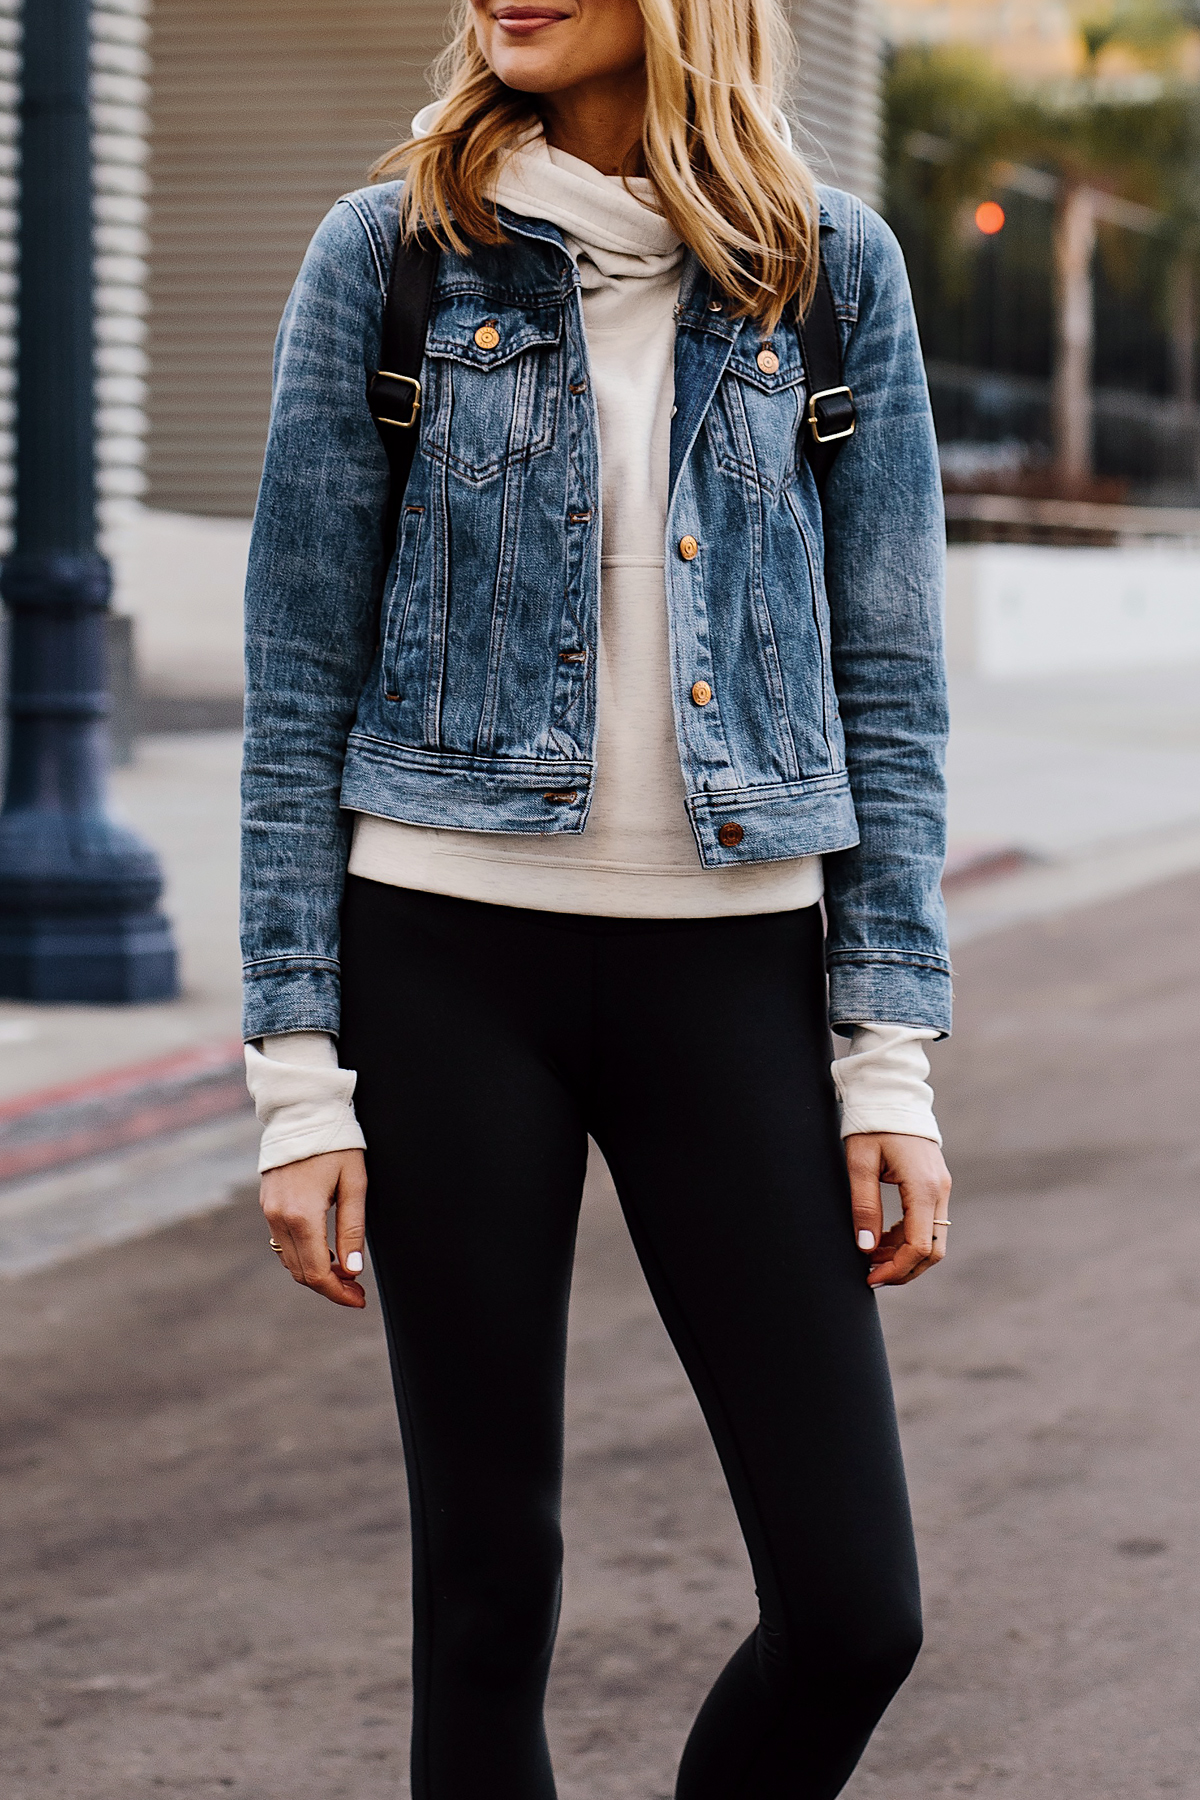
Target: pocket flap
x=471 y=329
x=767 y=363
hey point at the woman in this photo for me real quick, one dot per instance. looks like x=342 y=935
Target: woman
x=541 y=798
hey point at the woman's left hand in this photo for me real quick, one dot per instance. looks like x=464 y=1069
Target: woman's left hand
x=915 y=1166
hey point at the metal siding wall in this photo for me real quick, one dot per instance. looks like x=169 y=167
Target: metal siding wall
x=262 y=113
x=839 y=100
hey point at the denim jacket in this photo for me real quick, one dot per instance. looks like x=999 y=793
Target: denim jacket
x=449 y=679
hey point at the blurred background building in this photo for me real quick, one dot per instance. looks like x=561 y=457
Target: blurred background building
x=260 y=113
x=1040 y=161
x=224 y=130
x=1043 y=174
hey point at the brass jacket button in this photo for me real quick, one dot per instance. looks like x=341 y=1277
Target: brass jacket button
x=767 y=361
x=730 y=835
x=688 y=548
x=701 y=693
x=487 y=337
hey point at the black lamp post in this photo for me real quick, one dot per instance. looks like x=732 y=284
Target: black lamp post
x=79 y=913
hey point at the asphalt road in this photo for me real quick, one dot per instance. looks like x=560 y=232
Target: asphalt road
x=204 y=1554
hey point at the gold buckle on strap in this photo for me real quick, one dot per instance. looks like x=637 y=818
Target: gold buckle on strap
x=406 y=381
x=831 y=437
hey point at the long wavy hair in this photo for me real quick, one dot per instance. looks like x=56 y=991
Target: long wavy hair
x=723 y=177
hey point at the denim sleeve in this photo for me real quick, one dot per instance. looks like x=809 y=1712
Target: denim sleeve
x=312 y=600
x=885 y=576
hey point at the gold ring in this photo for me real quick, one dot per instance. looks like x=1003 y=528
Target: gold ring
x=277 y=1248
x=941 y=1221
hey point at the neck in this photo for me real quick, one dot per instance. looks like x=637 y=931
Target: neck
x=600 y=121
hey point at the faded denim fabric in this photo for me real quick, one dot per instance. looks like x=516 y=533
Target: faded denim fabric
x=442 y=684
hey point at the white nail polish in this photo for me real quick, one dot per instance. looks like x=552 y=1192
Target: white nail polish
x=354 y=1262
x=866 y=1240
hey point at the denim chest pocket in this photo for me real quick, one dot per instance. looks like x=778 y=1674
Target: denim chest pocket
x=759 y=411
x=494 y=371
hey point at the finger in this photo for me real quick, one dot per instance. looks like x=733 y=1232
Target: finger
x=350 y=1229
x=296 y=1199
x=306 y=1256
x=311 y=1248
x=898 y=1258
x=320 y=1271
x=921 y=1176
x=901 y=1266
x=863 y=1161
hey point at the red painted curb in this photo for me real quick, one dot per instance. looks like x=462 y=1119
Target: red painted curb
x=61 y=1125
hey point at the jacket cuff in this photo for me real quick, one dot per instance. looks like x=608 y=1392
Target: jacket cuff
x=280 y=996
x=890 y=989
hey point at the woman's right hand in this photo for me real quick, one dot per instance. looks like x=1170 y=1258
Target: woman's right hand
x=296 y=1199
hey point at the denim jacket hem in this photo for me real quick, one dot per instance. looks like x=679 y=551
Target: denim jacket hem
x=785 y=820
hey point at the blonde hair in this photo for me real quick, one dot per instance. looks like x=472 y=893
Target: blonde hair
x=724 y=178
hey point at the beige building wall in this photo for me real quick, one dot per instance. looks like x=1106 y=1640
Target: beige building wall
x=262 y=112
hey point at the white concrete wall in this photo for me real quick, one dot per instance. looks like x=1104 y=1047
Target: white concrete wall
x=181 y=578
x=1015 y=609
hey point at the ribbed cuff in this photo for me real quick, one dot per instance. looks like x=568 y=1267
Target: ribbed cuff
x=306 y=1108
x=882 y=1082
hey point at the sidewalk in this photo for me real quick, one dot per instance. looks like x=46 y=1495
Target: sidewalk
x=180 y=792
x=1093 y=781
x=1077 y=789
x=116 y=1120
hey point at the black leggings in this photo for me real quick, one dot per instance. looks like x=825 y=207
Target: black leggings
x=489 y=1042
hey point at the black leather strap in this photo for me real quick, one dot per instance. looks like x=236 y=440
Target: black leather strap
x=394 y=391
x=829 y=410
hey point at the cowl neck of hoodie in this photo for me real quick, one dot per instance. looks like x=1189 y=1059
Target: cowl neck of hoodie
x=607 y=220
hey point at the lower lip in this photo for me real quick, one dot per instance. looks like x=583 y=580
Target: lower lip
x=527 y=27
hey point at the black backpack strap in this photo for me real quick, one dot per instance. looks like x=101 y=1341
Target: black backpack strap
x=829 y=417
x=394 y=391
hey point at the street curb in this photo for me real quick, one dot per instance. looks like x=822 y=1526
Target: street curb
x=57 y=1126
x=967 y=864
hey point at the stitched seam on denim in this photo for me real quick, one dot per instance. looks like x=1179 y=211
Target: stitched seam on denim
x=318 y=964
x=510 y=534
x=824 y=648
x=858 y=250
x=464 y=762
x=712 y=801
x=865 y=959
x=766 y=625
x=412 y=525
x=374 y=243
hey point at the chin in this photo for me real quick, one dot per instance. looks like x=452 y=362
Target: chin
x=517 y=73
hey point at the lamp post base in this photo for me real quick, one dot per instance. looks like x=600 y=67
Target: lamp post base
x=80 y=918
x=97 y=960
